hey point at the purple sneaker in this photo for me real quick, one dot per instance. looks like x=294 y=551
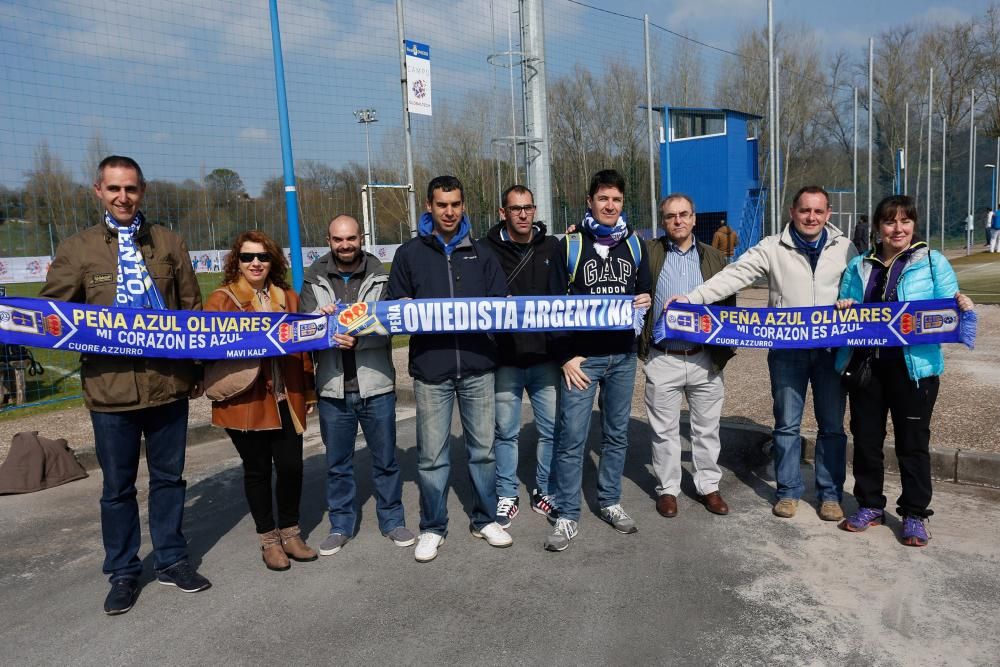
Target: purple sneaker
x=863 y=519
x=915 y=532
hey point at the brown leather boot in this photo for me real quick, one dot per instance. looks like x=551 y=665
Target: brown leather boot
x=272 y=553
x=295 y=548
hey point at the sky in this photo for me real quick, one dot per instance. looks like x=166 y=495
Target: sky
x=187 y=86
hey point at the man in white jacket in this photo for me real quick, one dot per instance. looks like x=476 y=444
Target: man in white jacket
x=803 y=265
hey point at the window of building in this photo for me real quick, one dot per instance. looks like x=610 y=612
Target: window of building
x=691 y=124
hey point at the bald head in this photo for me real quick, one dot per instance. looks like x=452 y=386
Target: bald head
x=344 y=237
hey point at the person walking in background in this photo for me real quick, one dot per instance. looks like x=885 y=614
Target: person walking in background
x=993 y=230
x=263 y=403
x=126 y=261
x=725 y=241
x=862 y=235
x=902 y=382
x=356 y=382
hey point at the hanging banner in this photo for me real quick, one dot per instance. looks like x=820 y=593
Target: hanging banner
x=418 y=77
x=862 y=325
x=24 y=269
x=211 y=335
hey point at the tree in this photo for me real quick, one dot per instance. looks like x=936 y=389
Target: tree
x=224 y=185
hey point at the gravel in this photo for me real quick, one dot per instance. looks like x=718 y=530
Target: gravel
x=962 y=416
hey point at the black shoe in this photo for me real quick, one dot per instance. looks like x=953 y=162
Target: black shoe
x=122 y=596
x=183 y=576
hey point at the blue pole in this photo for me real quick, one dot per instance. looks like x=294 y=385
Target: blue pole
x=291 y=198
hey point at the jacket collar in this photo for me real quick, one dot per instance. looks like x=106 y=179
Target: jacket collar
x=244 y=293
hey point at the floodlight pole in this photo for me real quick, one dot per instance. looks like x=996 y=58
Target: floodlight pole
x=649 y=130
x=930 y=145
x=970 y=226
x=906 y=148
x=772 y=130
x=406 y=120
x=366 y=117
x=944 y=143
x=854 y=169
x=871 y=124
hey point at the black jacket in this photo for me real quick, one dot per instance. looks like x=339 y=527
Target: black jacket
x=617 y=274
x=421 y=270
x=527 y=269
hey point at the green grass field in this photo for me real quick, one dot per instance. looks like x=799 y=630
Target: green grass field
x=979 y=275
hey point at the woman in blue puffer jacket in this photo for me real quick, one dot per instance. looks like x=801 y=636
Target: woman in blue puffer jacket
x=904 y=380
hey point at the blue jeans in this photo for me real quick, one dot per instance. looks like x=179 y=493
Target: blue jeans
x=338 y=424
x=116 y=436
x=434 y=407
x=615 y=375
x=791 y=372
x=542 y=384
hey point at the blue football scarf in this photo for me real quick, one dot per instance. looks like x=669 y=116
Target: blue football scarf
x=609 y=236
x=222 y=335
x=136 y=288
x=901 y=323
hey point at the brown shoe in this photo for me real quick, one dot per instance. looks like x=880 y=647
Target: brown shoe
x=295 y=548
x=714 y=503
x=830 y=510
x=272 y=553
x=666 y=505
x=785 y=508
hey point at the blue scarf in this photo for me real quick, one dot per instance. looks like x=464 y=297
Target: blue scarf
x=812 y=249
x=609 y=236
x=136 y=288
x=426 y=228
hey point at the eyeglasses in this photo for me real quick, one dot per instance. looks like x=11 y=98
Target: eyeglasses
x=262 y=257
x=530 y=208
x=683 y=215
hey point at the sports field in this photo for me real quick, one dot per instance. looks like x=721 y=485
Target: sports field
x=979 y=275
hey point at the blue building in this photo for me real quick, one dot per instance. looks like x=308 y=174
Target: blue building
x=711 y=155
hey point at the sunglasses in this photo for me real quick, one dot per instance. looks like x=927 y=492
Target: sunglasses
x=262 y=257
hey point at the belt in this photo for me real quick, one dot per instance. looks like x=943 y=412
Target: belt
x=681 y=353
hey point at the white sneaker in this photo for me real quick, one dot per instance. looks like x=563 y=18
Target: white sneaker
x=427 y=547
x=494 y=535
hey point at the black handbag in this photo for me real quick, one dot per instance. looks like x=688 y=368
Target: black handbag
x=858 y=373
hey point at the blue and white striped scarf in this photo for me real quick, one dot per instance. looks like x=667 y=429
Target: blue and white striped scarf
x=136 y=288
x=609 y=236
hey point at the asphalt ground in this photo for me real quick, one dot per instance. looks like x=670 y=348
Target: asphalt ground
x=747 y=588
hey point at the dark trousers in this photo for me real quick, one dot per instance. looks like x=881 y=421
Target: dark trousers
x=116 y=437
x=892 y=392
x=259 y=451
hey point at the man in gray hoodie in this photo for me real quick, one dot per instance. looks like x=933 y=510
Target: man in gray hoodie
x=356 y=382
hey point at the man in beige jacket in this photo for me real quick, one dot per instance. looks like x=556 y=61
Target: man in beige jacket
x=803 y=266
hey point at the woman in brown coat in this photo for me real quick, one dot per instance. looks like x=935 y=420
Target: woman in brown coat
x=263 y=405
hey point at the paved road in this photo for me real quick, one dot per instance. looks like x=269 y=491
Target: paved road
x=698 y=589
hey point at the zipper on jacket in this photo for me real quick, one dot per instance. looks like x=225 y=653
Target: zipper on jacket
x=451 y=292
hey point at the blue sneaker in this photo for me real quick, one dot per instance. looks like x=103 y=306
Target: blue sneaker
x=915 y=532
x=863 y=519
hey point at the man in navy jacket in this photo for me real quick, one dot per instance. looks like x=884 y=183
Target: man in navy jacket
x=608 y=263
x=445 y=262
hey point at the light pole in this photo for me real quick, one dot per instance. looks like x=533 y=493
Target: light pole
x=367 y=117
x=993 y=185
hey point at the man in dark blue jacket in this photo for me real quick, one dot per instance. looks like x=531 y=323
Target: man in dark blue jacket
x=525 y=362
x=607 y=261
x=445 y=262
